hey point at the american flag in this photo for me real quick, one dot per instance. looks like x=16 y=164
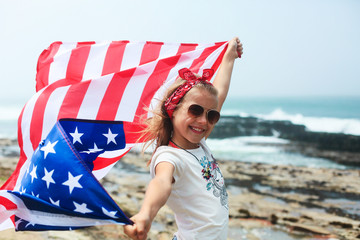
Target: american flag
x=58 y=190
x=97 y=81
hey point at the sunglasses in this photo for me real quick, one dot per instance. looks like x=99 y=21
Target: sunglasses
x=197 y=110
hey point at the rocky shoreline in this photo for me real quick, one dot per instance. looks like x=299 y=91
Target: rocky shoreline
x=338 y=147
x=266 y=202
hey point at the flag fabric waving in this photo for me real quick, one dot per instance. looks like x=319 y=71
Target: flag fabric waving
x=58 y=191
x=97 y=81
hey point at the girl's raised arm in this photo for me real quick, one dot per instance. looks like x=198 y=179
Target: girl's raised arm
x=223 y=77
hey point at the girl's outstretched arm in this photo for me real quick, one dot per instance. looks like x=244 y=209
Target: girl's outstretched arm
x=223 y=77
x=156 y=195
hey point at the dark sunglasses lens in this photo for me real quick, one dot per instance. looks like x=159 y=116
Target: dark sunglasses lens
x=196 y=110
x=213 y=116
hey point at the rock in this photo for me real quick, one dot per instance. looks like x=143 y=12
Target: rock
x=288 y=195
x=310 y=229
x=273 y=218
x=342 y=224
x=232 y=126
x=244 y=213
x=339 y=147
x=260 y=196
x=7 y=142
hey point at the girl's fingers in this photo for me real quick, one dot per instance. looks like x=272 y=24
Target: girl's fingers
x=239 y=54
x=239 y=48
x=131 y=231
x=141 y=234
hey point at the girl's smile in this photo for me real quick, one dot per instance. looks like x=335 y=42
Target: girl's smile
x=197 y=130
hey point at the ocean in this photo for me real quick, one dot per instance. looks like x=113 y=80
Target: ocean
x=319 y=114
x=324 y=114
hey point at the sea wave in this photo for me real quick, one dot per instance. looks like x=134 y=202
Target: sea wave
x=314 y=124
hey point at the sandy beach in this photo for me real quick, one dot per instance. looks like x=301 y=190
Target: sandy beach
x=266 y=202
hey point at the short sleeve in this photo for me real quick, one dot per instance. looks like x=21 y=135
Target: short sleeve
x=170 y=155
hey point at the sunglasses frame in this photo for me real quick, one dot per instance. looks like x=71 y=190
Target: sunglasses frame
x=191 y=113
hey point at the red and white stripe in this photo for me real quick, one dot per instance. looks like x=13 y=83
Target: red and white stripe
x=103 y=81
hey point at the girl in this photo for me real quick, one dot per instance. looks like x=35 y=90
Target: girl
x=184 y=173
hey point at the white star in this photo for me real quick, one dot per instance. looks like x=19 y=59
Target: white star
x=48 y=177
x=37 y=196
x=73 y=182
x=81 y=208
x=57 y=203
x=76 y=136
x=92 y=150
x=110 y=137
x=33 y=173
x=109 y=213
x=30 y=223
x=95 y=149
x=17 y=223
x=49 y=148
x=28 y=169
x=23 y=190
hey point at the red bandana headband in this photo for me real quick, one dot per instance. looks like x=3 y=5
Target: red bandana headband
x=191 y=80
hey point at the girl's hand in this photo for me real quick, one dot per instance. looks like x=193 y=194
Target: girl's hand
x=234 y=50
x=141 y=227
x=157 y=193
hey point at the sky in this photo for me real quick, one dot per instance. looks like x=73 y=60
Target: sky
x=291 y=48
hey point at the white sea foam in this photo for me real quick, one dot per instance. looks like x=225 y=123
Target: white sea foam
x=263 y=150
x=234 y=112
x=315 y=124
x=240 y=145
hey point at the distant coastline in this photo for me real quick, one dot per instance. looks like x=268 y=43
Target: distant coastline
x=338 y=147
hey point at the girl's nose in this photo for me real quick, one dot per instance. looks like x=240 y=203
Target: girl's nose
x=202 y=119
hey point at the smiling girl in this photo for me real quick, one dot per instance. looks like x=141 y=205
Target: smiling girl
x=184 y=173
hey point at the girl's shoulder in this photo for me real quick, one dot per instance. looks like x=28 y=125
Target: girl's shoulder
x=165 y=149
x=166 y=154
x=174 y=153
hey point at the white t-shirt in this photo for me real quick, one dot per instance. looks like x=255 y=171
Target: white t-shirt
x=198 y=196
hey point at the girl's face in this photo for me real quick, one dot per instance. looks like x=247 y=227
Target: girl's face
x=189 y=130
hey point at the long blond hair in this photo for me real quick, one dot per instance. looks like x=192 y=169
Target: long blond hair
x=159 y=127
